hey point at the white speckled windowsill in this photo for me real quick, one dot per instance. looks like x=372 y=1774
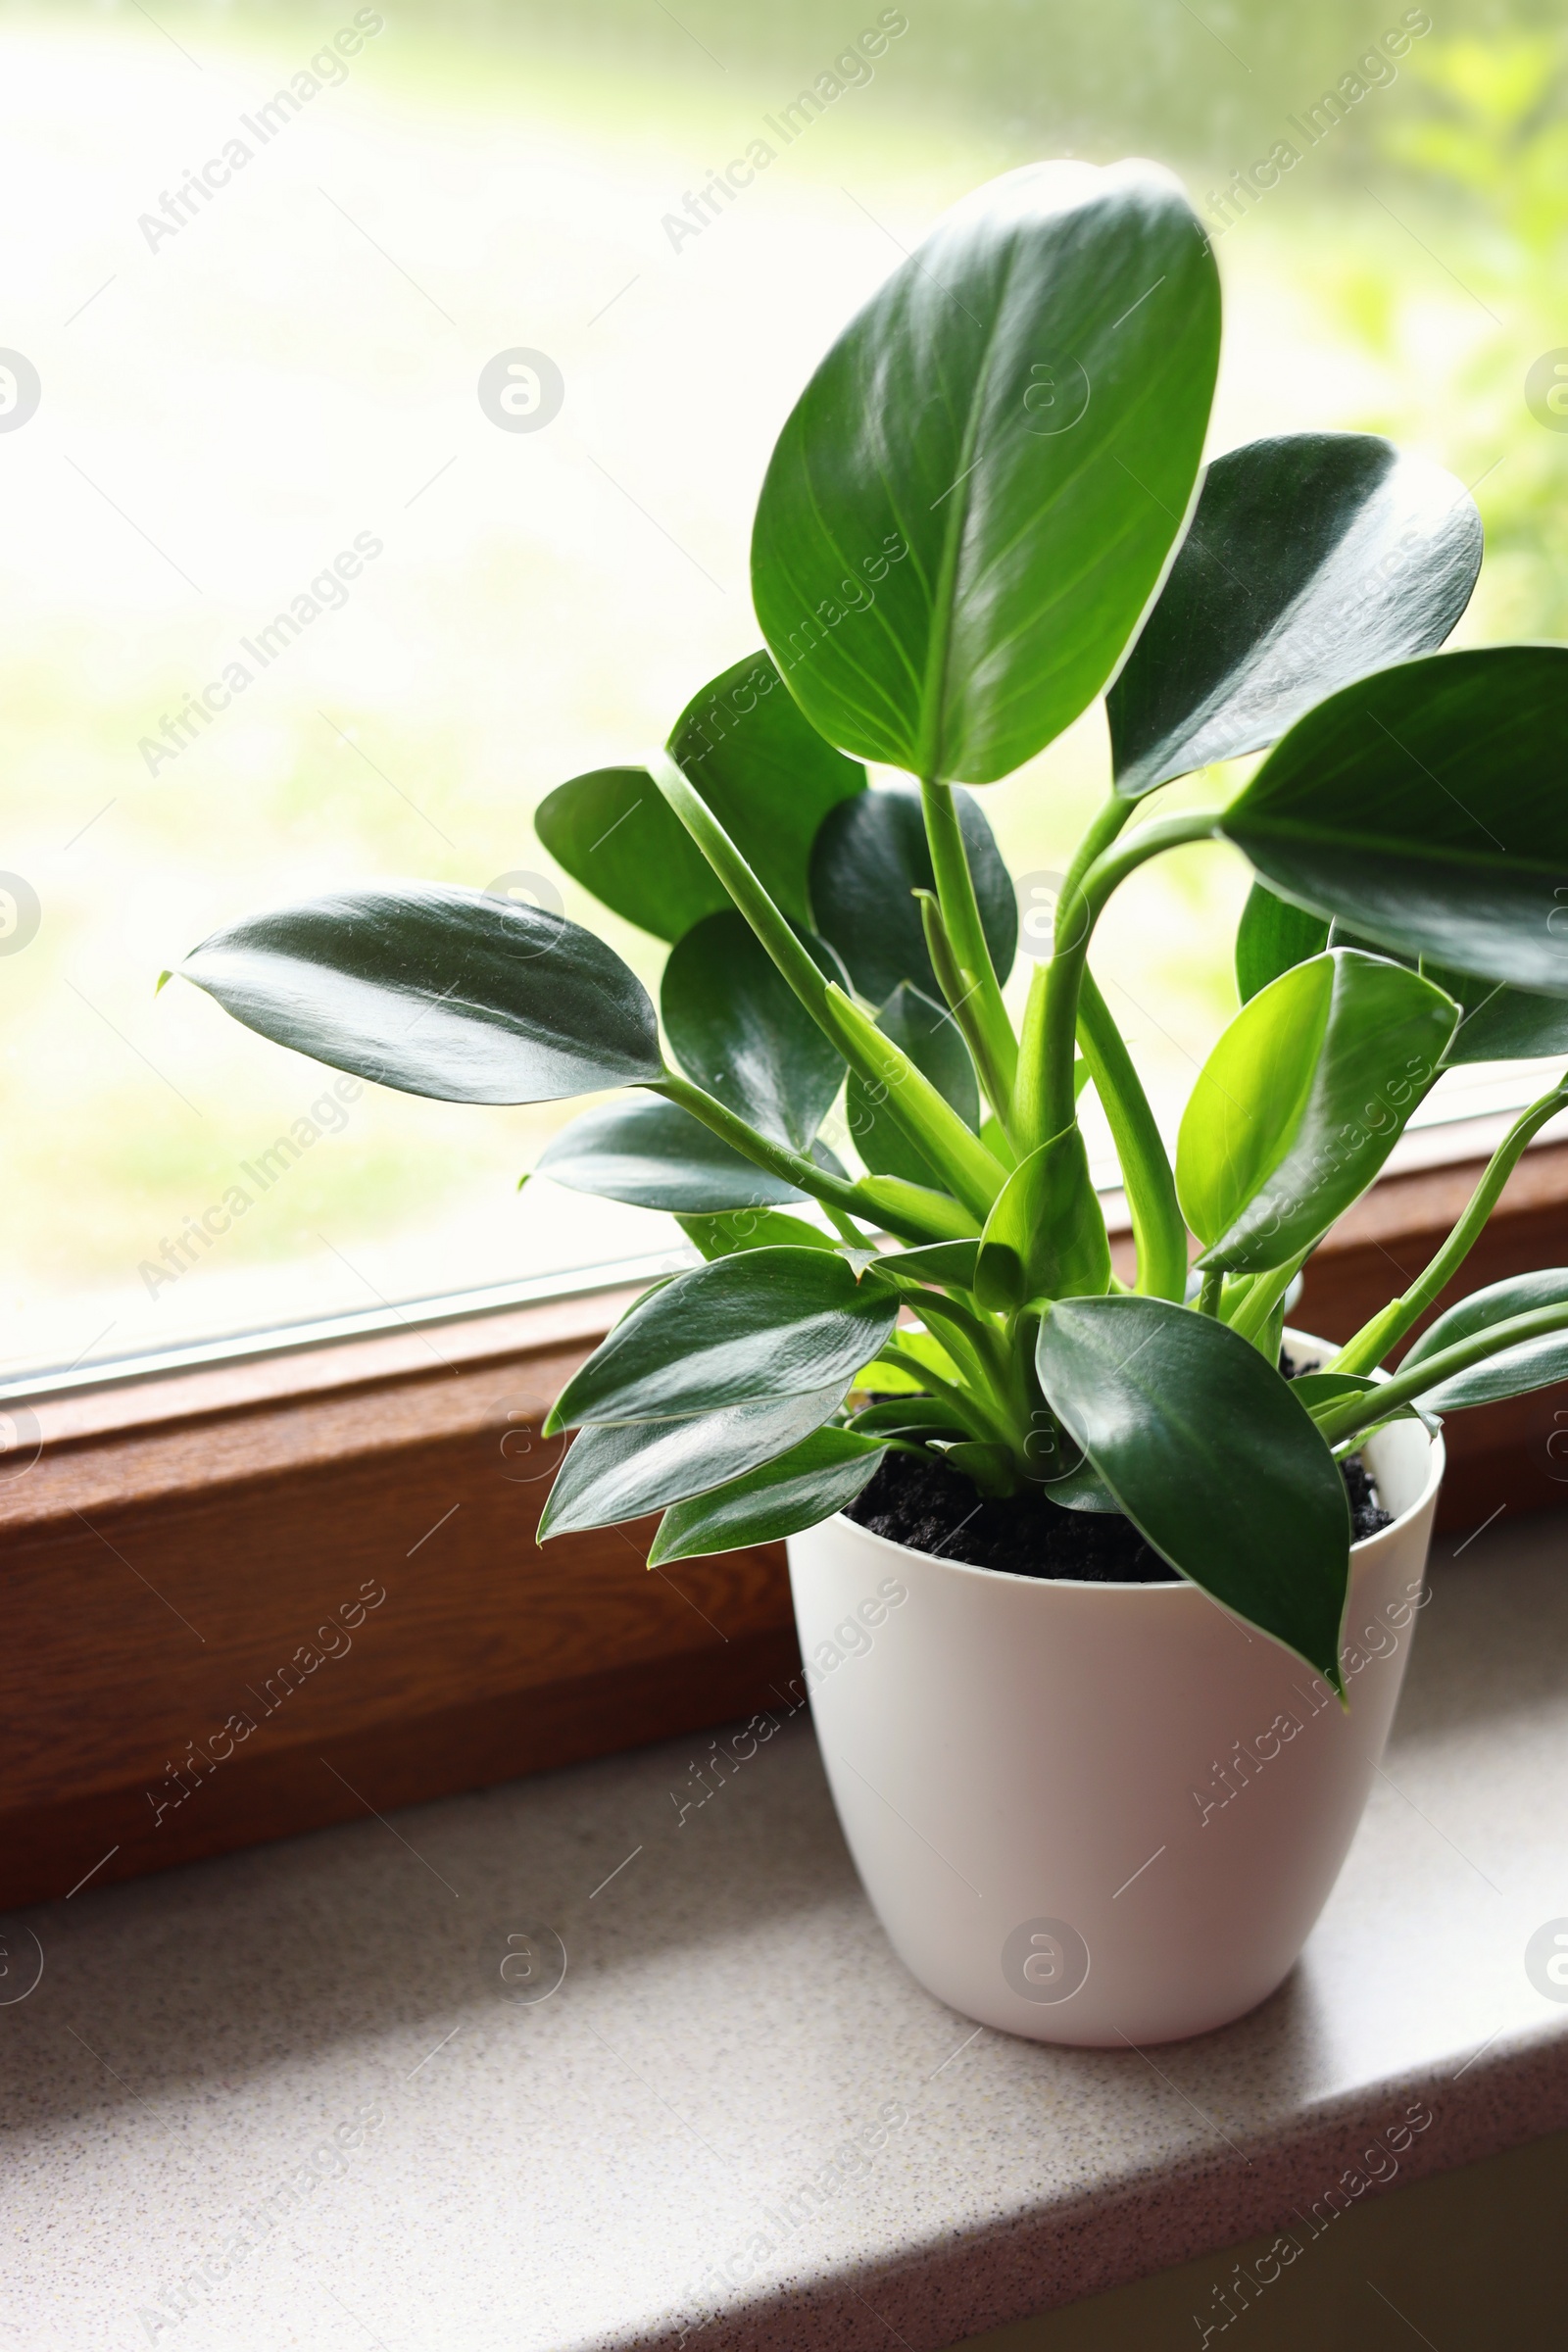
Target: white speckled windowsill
x=731 y=2029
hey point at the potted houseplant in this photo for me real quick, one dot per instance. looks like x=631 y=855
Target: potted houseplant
x=1073 y=1557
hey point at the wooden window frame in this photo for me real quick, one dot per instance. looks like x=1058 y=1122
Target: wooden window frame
x=186 y=1544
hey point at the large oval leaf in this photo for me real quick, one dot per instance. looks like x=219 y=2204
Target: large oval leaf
x=1427 y=807
x=1302 y=1102
x=437 y=990
x=869 y=859
x=971 y=502
x=613 y=832
x=1214 y=1461
x=928 y=1033
x=758 y=764
x=821 y=1475
x=655 y=1155
x=762 y=1323
x=740 y=1030
x=1311 y=559
x=619 y=1472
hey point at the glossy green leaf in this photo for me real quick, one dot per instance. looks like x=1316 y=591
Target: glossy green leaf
x=437 y=990
x=927 y=1032
x=1497 y=1023
x=1500 y=1023
x=618 y=1472
x=914 y=1417
x=1427 y=807
x=758 y=764
x=740 y=1030
x=1311 y=559
x=721 y=1235
x=655 y=1155
x=821 y=1475
x=971 y=502
x=1537 y=1363
x=1212 y=1458
x=1498 y=1302
x=1301 y=1102
x=762 y=1323
x=1046 y=1237
x=612 y=832
x=1271 y=938
x=949 y=1264
x=869 y=859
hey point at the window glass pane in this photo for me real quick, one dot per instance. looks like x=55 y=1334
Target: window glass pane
x=285 y=603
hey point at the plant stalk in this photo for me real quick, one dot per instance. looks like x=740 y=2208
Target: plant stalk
x=996 y=1076
x=917 y=1109
x=1343 y=1418
x=910 y=1210
x=961 y=920
x=1159 y=1227
x=1045 y=1093
x=1371 y=1343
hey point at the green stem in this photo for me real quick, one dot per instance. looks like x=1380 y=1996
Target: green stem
x=1208 y=1296
x=969 y=1412
x=916 y=1108
x=961 y=920
x=1159 y=1227
x=1373 y=1340
x=1265 y=1299
x=997 y=1076
x=1045 y=1091
x=1343 y=1419
x=909 y=1211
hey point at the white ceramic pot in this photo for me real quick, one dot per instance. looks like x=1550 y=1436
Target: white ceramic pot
x=1099 y=1813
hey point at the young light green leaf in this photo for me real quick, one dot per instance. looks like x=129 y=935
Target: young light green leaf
x=968 y=507
x=437 y=990
x=721 y=1235
x=653 y=1154
x=1311 y=559
x=821 y=1475
x=620 y=1471
x=612 y=832
x=1212 y=1458
x=760 y=766
x=1272 y=937
x=1046 y=1236
x=870 y=856
x=1427 y=807
x=932 y=1040
x=760 y=1323
x=740 y=1030
x=1301 y=1102
x=1497 y=1023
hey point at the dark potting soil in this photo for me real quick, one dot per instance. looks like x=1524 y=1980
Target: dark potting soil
x=924 y=1504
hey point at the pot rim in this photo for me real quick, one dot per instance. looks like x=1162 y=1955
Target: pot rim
x=1437 y=1464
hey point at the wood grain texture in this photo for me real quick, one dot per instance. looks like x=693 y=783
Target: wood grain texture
x=196 y=1661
